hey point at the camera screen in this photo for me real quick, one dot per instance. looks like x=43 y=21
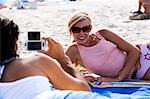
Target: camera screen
x=33 y=35
x=34 y=45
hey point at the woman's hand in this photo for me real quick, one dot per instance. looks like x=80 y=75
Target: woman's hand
x=55 y=49
x=92 y=78
x=89 y=78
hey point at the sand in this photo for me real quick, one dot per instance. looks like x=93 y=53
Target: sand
x=51 y=16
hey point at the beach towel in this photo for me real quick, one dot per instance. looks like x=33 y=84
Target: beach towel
x=66 y=94
x=124 y=93
x=124 y=90
x=106 y=90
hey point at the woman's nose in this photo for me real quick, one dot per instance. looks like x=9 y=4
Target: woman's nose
x=82 y=33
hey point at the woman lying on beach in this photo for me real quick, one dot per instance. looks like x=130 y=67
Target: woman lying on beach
x=26 y=78
x=139 y=15
x=105 y=53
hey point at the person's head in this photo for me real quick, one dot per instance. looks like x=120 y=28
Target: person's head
x=9 y=35
x=79 y=27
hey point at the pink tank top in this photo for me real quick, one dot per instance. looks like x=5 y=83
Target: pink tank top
x=104 y=58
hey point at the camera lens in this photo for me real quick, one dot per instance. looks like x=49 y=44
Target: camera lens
x=33 y=35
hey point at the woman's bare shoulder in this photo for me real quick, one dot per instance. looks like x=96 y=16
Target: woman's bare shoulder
x=103 y=31
x=72 y=49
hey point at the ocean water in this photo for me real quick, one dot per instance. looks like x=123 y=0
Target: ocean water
x=51 y=17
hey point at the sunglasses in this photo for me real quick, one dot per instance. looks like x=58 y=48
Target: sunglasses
x=78 y=29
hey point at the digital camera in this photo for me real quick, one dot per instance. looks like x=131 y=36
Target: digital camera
x=34 y=41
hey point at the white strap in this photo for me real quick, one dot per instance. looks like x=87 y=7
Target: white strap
x=1 y=70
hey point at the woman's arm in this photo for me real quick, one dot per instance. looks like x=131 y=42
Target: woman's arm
x=70 y=68
x=62 y=73
x=61 y=79
x=133 y=53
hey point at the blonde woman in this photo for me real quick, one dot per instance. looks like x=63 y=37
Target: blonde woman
x=105 y=53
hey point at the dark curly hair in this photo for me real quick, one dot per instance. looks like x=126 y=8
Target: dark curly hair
x=8 y=39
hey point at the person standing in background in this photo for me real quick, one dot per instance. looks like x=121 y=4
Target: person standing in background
x=139 y=15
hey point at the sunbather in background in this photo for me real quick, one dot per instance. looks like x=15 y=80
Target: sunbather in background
x=139 y=15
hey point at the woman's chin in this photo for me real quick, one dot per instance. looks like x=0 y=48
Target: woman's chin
x=83 y=41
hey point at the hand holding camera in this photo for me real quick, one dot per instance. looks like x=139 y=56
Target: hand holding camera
x=55 y=49
x=35 y=43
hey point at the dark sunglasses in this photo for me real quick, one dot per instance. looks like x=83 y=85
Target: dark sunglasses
x=78 y=29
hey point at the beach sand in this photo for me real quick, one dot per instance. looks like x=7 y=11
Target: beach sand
x=51 y=18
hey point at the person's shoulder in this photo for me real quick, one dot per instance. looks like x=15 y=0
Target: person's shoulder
x=39 y=58
x=103 y=31
x=72 y=48
x=43 y=56
x=45 y=61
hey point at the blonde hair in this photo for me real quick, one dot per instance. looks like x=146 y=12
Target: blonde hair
x=74 y=20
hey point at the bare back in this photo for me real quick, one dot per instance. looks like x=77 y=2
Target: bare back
x=43 y=65
x=23 y=67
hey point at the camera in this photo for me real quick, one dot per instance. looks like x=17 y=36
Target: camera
x=34 y=41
